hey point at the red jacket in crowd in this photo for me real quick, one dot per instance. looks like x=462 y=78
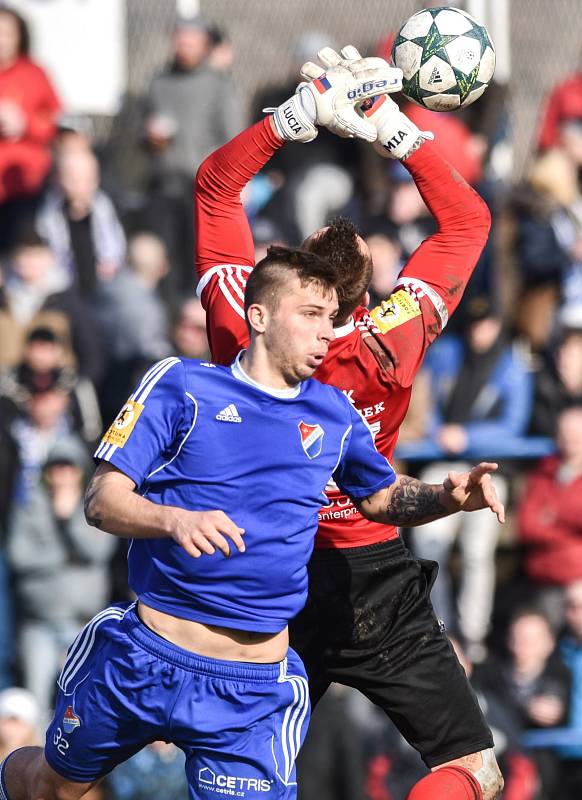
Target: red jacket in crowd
x=550 y=525
x=563 y=105
x=25 y=162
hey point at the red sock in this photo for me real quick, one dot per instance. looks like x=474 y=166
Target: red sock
x=447 y=783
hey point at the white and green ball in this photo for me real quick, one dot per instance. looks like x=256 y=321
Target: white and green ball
x=447 y=58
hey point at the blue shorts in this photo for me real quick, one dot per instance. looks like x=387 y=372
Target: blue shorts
x=239 y=724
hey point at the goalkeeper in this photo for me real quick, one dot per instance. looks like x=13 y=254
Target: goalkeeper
x=368 y=621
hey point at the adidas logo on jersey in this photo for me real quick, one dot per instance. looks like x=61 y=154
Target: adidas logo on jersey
x=229 y=414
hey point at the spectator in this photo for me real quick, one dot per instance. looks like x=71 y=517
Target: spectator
x=571 y=650
x=133 y=319
x=558 y=379
x=155 y=772
x=37 y=292
x=80 y=223
x=550 y=518
x=190 y=337
x=31 y=277
x=44 y=364
x=547 y=213
x=19 y=720
x=482 y=395
x=28 y=111
x=191 y=109
x=520 y=773
x=563 y=108
x=532 y=683
x=60 y=592
x=42 y=420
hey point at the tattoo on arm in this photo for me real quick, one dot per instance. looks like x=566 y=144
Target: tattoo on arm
x=413 y=501
x=96 y=522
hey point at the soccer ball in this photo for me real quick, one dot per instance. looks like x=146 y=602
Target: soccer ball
x=447 y=58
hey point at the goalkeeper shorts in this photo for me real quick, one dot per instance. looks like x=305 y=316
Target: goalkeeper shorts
x=369 y=623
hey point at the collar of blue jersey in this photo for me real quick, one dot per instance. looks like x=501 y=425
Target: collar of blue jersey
x=345 y=329
x=241 y=375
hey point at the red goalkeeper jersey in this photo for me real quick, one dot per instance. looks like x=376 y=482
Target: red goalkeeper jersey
x=375 y=357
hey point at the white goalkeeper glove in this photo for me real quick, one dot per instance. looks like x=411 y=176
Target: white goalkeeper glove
x=331 y=94
x=397 y=134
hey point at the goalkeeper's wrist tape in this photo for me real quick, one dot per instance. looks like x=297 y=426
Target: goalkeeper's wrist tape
x=398 y=137
x=295 y=118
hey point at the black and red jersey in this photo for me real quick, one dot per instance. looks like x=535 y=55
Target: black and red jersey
x=376 y=355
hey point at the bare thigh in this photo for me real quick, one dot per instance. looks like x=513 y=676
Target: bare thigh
x=28 y=776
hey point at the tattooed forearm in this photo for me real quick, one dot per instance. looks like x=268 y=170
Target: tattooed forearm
x=413 y=502
x=90 y=516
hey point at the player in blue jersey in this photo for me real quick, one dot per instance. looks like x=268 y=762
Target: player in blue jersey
x=216 y=475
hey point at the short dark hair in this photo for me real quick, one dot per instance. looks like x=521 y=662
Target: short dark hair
x=273 y=271
x=338 y=244
x=29 y=238
x=23 y=31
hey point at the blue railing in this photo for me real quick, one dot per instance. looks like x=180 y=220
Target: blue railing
x=530 y=447
x=552 y=737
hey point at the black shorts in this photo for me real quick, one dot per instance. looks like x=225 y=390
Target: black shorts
x=369 y=623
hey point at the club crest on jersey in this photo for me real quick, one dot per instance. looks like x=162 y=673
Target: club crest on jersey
x=70 y=720
x=311 y=439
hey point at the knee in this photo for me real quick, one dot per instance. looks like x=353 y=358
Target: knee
x=489 y=776
x=49 y=785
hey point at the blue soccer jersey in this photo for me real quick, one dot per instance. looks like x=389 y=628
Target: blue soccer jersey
x=204 y=437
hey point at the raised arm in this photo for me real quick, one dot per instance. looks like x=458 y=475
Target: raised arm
x=433 y=280
x=224 y=243
x=410 y=502
x=224 y=246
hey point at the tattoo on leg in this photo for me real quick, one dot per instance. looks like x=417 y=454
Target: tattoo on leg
x=412 y=501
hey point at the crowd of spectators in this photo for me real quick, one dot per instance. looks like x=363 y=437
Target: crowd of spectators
x=91 y=295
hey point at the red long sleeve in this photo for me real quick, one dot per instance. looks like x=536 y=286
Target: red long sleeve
x=446 y=259
x=224 y=243
x=223 y=234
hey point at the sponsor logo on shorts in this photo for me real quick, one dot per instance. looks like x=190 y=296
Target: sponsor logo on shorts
x=70 y=720
x=231 y=785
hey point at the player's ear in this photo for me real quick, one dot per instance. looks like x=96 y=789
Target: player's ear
x=257 y=316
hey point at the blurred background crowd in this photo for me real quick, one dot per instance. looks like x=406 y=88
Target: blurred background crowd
x=97 y=282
